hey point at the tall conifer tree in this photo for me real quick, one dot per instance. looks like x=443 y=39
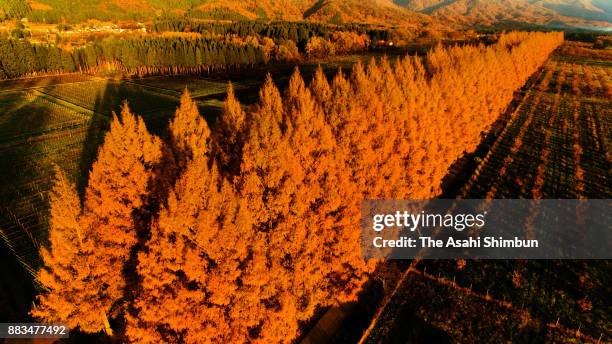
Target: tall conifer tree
x=230 y=132
x=116 y=203
x=189 y=132
x=70 y=297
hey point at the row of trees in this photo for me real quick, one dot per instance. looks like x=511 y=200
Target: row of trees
x=279 y=31
x=339 y=42
x=241 y=232
x=165 y=54
x=135 y=56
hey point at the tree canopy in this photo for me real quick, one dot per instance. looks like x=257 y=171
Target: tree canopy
x=259 y=225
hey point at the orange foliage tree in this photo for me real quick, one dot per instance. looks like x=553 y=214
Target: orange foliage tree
x=70 y=297
x=230 y=133
x=259 y=227
x=323 y=217
x=189 y=132
x=115 y=207
x=190 y=271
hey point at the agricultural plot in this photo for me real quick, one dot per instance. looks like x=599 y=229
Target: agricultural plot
x=442 y=309
x=27 y=114
x=26 y=178
x=556 y=144
x=106 y=96
x=41 y=81
x=198 y=87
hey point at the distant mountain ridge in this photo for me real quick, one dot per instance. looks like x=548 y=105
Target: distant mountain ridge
x=366 y=11
x=410 y=13
x=491 y=12
x=333 y=11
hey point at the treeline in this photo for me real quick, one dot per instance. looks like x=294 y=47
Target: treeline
x=279 y=31
x=165 y=54
x=244 y=230
x=139 y=56
x=340 y=42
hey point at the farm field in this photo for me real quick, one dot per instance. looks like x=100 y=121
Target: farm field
x=10 y=85
x=62 y=120
x=197 y=86
x=556 y=144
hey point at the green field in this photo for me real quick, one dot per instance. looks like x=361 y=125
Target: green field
x=31 y=114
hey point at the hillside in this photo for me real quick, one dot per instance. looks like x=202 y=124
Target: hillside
x=374 y=11
x=411 y=13
x=491 y=12
x=600 y=10
x=332 y=11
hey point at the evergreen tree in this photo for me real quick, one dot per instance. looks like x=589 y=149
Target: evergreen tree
x=319 y=86
x=269 y=179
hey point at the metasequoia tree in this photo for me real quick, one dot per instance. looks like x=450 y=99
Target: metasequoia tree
x=327 y=205
x=188 y=277
x=260 y=228
x=229 y=134
x=189 y=132
x=270 y=176
x=320 y=89
x=69 y=296
x=191 y=267
x=116 y=199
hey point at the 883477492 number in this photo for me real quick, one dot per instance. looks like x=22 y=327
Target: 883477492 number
x=33 y=330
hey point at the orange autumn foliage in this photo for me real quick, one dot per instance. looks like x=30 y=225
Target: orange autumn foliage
x=268 y=182
x=230 y=133
x=69 y=297
x=115 y=202
x=189 y=132
x=259 y=226
x=325 y=209
x=191 y=267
